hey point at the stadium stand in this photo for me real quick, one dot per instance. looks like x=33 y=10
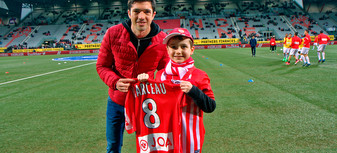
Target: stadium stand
x=16 y=36
x=112 y=13
x=324 y=20
x=168 y=24
x=211 y=28
x=205 y=20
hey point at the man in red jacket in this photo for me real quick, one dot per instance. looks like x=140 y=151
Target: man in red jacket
x=128 y=49
x=322 y=40
x=295 y=43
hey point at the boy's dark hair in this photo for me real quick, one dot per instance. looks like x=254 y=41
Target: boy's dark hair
x=182 y=38
x=321 y=31
x=296 y=33
x=153 y=3
x=307 y=31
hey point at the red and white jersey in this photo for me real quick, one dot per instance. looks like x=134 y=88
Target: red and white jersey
x=272 y=42
x=153 y=110
x=307 y=40
x=193 y=130
x=323 y=38
x=295 y=42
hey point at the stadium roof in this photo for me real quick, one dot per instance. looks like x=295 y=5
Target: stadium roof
x=83 y=2
x=14 y=6
x=63 y=1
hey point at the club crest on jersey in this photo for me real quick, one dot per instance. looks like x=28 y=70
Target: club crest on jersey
x=149 y=88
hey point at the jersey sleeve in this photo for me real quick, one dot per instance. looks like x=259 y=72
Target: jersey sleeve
x=129 y=113
x=202 y=93
x=205 y=86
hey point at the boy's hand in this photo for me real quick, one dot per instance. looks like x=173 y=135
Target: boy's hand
x=143 y=77
x=186 y=86
x=123 y=84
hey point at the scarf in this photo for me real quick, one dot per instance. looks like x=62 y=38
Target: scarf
x=176 y=71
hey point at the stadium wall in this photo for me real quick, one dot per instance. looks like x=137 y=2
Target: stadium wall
x=49 y=53
x=97 y=50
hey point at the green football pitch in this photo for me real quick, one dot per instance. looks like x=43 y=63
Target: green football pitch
x=50 y=107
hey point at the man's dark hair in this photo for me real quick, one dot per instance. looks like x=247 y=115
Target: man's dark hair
x=321 y=31
x=296 y=33
x=153 y=3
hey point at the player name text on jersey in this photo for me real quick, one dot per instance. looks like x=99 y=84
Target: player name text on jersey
x=149 y=88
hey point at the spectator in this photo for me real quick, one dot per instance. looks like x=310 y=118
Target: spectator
x=272 y=44
x=253 y=43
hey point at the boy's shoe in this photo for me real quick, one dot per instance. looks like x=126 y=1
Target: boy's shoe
x=308 y=64
x=323 y=60
x=287 y=63
x=284 y=59
x=319 y=61
x=304 y=64
x=297 y=61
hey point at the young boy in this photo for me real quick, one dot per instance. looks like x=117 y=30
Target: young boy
x=194 y=82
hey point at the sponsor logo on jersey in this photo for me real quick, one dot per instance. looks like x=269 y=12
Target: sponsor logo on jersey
x=156 y=142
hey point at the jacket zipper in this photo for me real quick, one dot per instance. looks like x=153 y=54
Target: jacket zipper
x=136 y=64
x=138 y=45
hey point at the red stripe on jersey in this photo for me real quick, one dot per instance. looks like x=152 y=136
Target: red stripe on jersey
x=190 y=128
x=183 y=133
x=198 y=128
x=193 y=129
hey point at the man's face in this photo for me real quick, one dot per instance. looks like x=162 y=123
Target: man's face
x=141 y=15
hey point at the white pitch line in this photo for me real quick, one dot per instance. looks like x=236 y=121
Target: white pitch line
x=45 y=73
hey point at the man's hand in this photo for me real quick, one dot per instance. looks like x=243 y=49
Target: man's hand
x=123 y=84
x=143 y=77
x=186 y=86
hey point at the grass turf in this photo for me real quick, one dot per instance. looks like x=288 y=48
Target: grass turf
x=286 y=108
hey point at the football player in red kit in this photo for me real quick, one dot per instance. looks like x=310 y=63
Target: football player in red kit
x=306 y=48
x=295 y=43
x=194 y=82
x=322 y=40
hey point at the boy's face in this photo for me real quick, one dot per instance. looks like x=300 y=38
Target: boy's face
x=179 y=50
x=141 y=15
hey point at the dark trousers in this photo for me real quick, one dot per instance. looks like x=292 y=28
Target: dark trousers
x=115 y=121
x=253 y=50
x=273 y=48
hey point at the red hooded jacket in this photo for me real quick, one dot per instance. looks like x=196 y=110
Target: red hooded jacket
x=118 y=58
